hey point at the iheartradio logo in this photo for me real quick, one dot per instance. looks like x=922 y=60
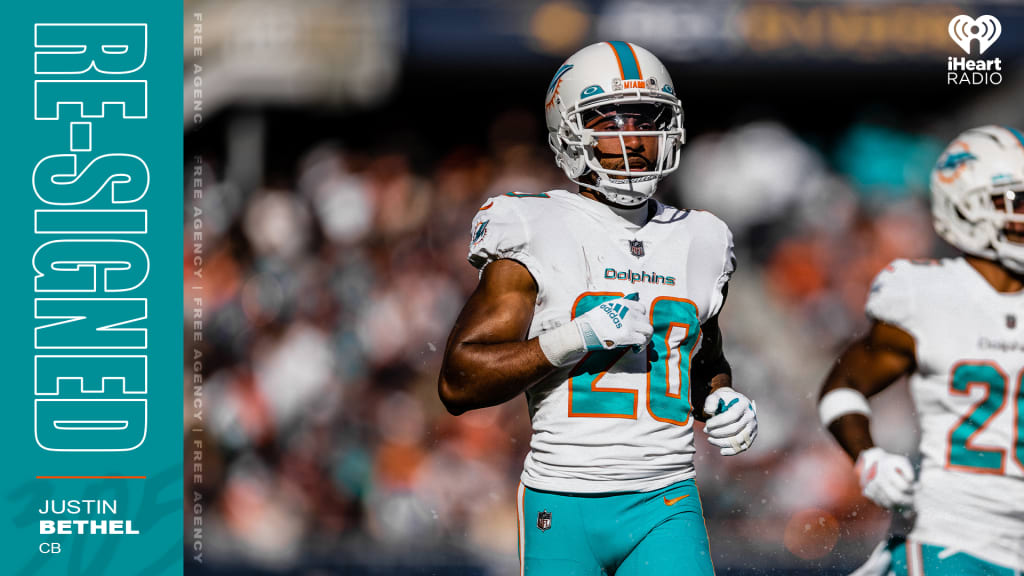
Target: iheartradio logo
x=962 y=70
x=986 y=30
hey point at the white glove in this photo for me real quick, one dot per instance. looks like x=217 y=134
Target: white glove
x=732 y=421
x=886 y=479
x=613 y=324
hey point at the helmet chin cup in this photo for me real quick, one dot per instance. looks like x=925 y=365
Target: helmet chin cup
x=626 y=192
x=1011 y=256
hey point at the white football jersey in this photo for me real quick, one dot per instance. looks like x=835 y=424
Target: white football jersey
x=969 y=402
x=618 y=420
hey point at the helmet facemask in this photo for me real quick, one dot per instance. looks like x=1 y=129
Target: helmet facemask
x=638 y=134
x=1007 y=203
x=987 y=222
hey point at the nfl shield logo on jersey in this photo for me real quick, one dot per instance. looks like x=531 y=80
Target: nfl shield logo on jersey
x=544 y=520
x=1011 y=321
x=636 y=248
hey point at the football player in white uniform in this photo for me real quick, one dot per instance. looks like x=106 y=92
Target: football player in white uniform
x=602 y=305
x=953 y=326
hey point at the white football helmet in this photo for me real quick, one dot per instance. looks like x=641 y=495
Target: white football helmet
x=978 y=191
x=613 y=77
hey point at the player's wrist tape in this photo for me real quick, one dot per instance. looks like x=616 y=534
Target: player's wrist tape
x=563 y=345
x=840 y=402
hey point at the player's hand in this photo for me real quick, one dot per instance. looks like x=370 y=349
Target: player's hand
x=615 y=324
x=732 y=421
x=886 y=479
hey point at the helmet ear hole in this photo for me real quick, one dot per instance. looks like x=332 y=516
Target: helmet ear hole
x=569 y=157
x=577 y=165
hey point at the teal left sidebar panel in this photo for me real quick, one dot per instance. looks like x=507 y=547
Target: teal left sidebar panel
x=92 y=288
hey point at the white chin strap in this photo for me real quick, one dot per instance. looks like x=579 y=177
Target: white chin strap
x=628 y=191
x=1010 y=255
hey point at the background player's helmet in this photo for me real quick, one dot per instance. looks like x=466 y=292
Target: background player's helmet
x=613 y=74
x=978 y=190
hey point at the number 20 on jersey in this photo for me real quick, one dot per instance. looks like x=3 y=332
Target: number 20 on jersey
x=676 y=334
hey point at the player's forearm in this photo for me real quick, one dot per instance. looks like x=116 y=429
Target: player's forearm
x=706 y=376
x=865 y=368
x=853 y=433
x=478 y=375
x=722 y=380
x=852 y=430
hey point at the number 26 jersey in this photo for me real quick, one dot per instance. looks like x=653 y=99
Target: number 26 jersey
x=969 y=402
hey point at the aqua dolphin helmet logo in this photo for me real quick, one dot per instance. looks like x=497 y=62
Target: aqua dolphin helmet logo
x=954 y=160
x=558 y=76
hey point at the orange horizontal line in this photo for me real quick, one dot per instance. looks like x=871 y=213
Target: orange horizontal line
x=85 y=477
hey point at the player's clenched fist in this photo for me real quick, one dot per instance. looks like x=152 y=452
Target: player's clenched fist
x=613 y=324
x=886 y=479
x=732 y=421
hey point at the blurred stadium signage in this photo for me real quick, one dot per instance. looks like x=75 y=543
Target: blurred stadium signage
x=784 y=30
x=742 y=31
x=331 y=52
x=857 y=31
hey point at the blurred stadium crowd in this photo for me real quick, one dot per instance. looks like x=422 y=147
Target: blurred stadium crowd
x=329 y=297
x=334 y=260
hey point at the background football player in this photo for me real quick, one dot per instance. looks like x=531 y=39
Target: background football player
x=602 y=307
x=953 y=326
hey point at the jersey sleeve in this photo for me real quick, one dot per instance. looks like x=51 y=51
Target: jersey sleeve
x=499 y=231
x=890 y=299
x=727 y=267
